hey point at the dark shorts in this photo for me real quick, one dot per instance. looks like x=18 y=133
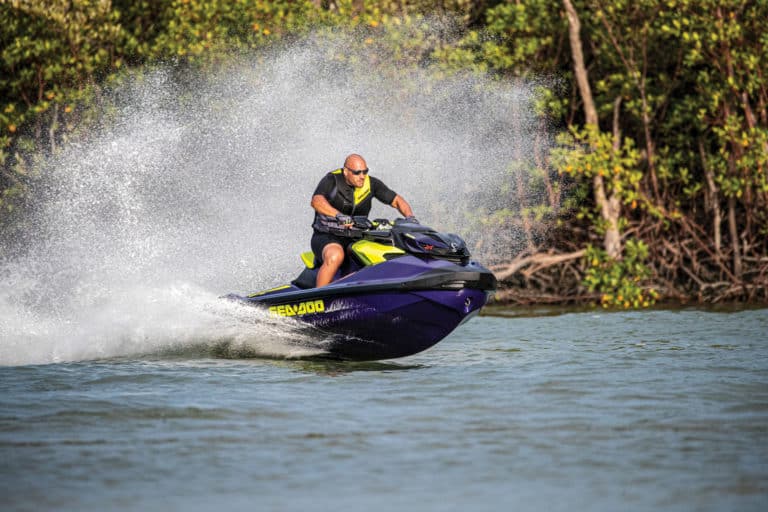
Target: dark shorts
x=320 y=240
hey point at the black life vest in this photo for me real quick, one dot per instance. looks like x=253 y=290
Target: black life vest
x=359 y=202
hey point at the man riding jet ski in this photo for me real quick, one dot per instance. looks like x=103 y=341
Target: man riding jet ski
x=375 y=289
x=339 y=196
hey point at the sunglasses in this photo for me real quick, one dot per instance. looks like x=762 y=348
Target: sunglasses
x=358 y=173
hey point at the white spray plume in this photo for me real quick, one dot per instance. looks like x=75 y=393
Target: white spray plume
x=198 y=186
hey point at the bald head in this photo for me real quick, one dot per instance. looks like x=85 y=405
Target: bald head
x=355 y=161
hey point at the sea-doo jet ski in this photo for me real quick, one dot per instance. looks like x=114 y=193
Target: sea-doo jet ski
x=402 y=288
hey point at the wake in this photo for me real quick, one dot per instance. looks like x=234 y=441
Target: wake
x=174 y=320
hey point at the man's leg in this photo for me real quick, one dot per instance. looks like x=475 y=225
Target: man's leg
x=333 y=256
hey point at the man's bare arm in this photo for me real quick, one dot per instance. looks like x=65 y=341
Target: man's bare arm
x=322 y=206
x=402 y=206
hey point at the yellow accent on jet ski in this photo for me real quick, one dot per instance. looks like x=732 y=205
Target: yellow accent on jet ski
x=264 y=292
x=298 y=309
x=308 y=258
x=373 y=253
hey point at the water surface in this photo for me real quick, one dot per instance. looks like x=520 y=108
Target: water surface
x=655 y=410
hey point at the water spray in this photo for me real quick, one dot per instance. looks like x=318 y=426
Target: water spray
x=188 y=192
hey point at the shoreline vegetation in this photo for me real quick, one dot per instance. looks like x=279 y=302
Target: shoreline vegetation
x=647 y=184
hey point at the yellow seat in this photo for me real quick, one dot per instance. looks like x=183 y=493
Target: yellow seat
x=308 y=258
x=373 y=253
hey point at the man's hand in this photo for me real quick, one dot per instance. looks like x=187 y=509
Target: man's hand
x=344 y=220
x=411 y=219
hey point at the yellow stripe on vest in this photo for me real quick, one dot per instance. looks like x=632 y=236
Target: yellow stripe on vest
x=363 y=192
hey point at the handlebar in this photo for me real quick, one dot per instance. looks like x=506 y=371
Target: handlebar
x=364 y=223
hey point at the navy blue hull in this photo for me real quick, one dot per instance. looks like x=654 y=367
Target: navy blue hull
x=391 y=310
x=392 y=325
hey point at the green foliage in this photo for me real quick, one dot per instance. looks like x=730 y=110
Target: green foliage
x=620 y=282
x=723 y=44
x=523 y=39
x=518 y=39
x=52 y=54
x=583 y=153
x=200 y=30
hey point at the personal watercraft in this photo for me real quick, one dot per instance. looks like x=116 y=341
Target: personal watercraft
x=402 y=288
